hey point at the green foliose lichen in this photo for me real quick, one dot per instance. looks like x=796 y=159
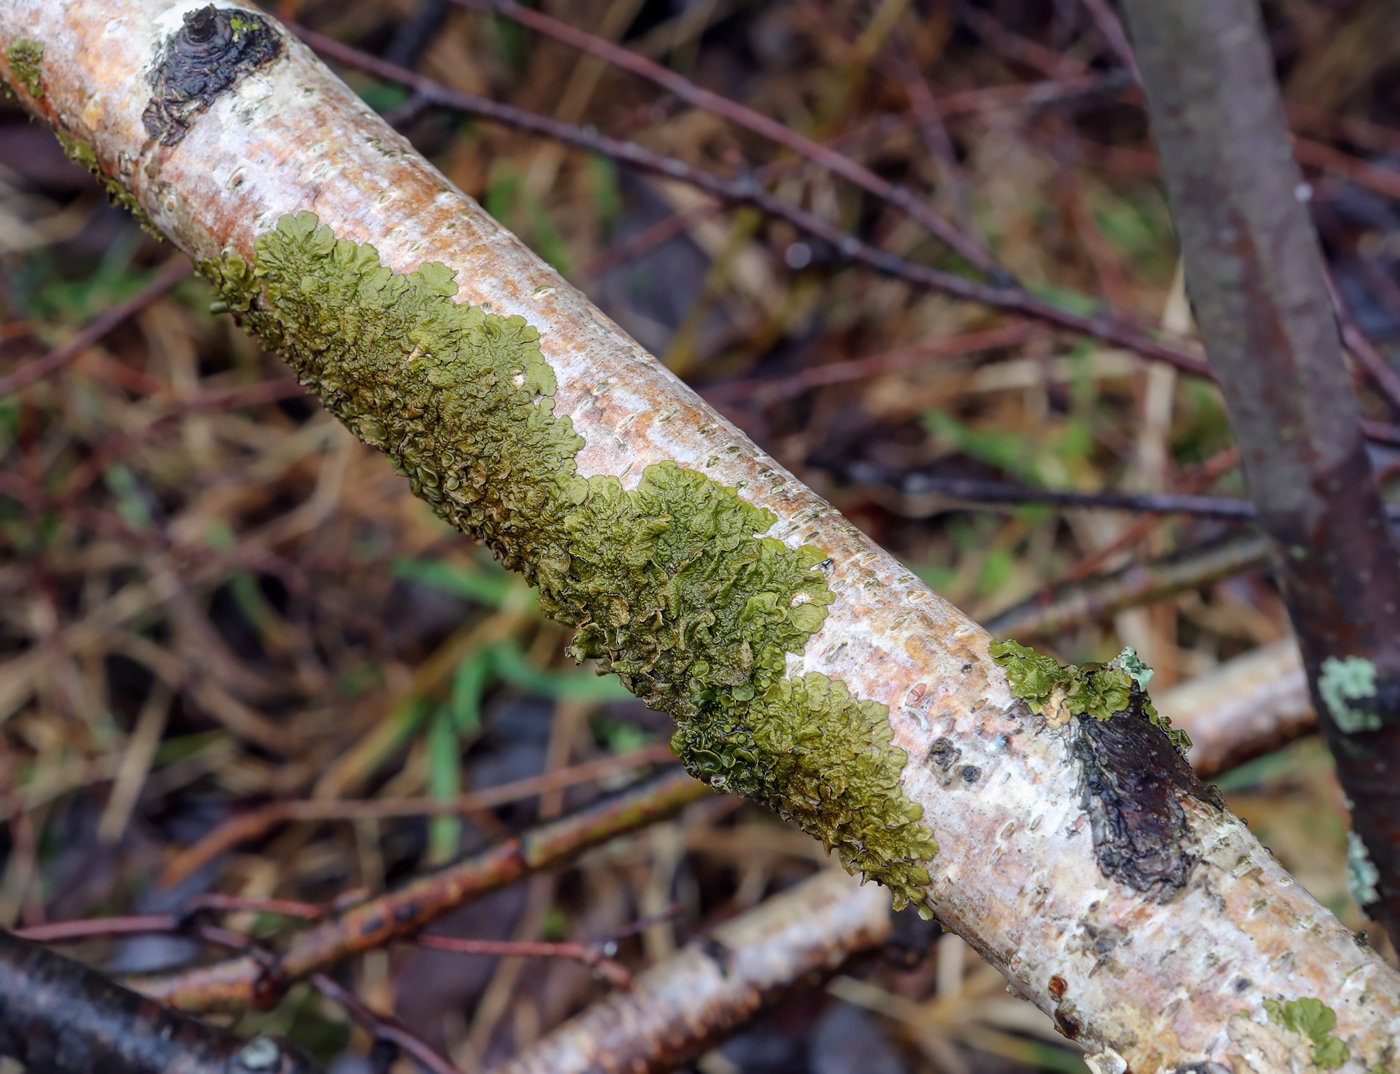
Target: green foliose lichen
x=25 y=58
x=82 y=154
x=1312 y=1019
x=670 y=585
x=1098 y=690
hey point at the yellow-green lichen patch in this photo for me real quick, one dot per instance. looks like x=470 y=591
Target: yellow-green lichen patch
x=26 y=58
x=1312 y=1019
x=1057 y=691
x=670 y=585
x=81 y=153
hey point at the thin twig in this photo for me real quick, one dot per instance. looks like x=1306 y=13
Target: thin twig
x=745 y=117
x=1066 y=607
x=382 y=1027
x=1006 y=492
x=614 y=972
x=763 y=391
x=1377 y=368
x=107 y=320
x=134 y=925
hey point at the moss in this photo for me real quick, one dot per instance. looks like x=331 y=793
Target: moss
x=25 y=58
x=671 y=585
x=1314 y=1020
x=82 y=154
x=1343 y=682
x=1057 y=691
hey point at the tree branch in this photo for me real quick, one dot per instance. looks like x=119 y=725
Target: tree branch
x=1255 y=274
x=804 y=665
x=705 y=991
x=60 y=1017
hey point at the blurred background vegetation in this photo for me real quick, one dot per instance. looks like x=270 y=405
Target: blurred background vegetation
x=213 y=597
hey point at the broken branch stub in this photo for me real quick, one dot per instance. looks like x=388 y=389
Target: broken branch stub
x=804 y=665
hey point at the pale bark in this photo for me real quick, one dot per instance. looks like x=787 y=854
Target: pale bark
x=1247 y=706
x=714 y=985
x=1145 y=982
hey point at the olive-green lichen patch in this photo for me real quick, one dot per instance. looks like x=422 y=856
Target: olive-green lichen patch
x=670 y=585
x=1344 y=682
x=1058 y=692
x=81 y=153
x=1312 y=1019
x=25 y=58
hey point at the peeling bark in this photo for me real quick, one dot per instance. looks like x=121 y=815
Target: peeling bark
x=1144 y=980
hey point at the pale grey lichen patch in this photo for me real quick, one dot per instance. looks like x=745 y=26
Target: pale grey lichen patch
x=672 y=585
x=1343 y=682
x=1362 y=875
x=1129 y=661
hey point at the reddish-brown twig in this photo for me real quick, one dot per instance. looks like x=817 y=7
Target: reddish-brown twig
x=244 y=982
x=134 y=925
x=612 y=971
x=108 y=319
x=1377 y=368
x=382 y=1027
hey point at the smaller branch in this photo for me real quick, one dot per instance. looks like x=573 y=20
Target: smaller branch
x=382 y=1027
x=57 y=358
x=1006 y=492
x=609 y=969
x=133 y=925
x=701 y=994
x=762 y=391
x=1363 y=350
x=58 y=1016
x=240 y=983
x=1067 y=606
x=1106 y=19
x=255 y=825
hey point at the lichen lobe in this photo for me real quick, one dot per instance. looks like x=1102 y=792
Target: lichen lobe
x=82 y=154
x=25 y=58
x=670 y=585
x=205 y=58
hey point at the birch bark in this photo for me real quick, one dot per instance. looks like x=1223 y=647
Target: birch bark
x=1037 y=825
